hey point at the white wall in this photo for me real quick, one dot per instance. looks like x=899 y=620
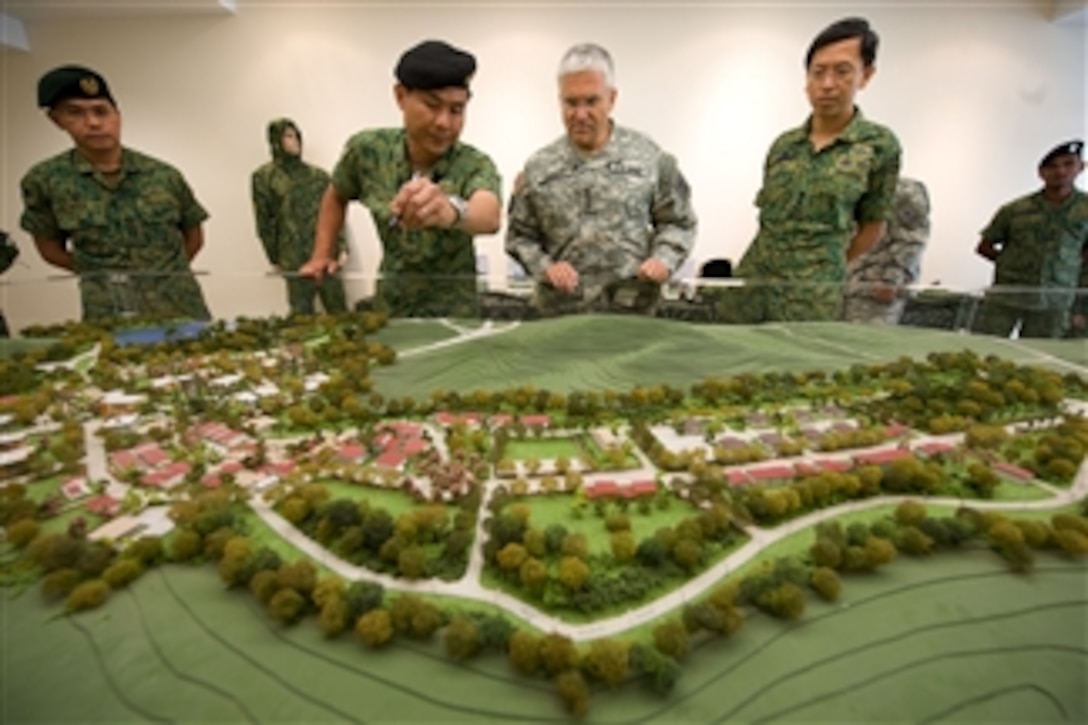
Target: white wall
x=976 y=92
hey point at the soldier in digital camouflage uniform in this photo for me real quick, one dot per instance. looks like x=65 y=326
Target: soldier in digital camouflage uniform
x=827 y=190
x=286 y=196
x=126 y=223
x=1037 y=243
x=428 y=193
x=876 y=280
x=601 y=217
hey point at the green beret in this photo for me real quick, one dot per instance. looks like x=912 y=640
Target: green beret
x=1069 y=147
x=71 y=81
x=433 y=64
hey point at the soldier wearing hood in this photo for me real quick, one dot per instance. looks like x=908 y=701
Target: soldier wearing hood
x=286 y=198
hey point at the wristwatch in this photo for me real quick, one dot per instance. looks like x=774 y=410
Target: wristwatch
x=460 y=206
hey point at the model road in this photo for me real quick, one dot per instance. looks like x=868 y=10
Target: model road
x=469 y=586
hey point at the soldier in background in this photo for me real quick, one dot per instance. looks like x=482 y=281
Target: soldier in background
x=428 y=193
x=876 y=281
x=601 y=217
x=1037 y=244
x=286 y=196
x=126 y=223
x=8 y=254
x=827 y=189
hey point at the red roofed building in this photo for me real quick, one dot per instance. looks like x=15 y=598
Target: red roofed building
x=896 y=429
x=880 y=458
x=772 y=473
x=642 y=488
x=104 y=506
x=445 y=418
x=737 y=477
x=167 y=477
x=603 y=488
x=500 y=419
x=807 y=468
x=351 y=452
x=122 y=460
x=1013 y=471
x=536 y=420
x=835 y=465
x=391 y=459
x=75 y=488
x=934 y=448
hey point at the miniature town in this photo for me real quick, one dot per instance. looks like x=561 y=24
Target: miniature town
x=586 y=513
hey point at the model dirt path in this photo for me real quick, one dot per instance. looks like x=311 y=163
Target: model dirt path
x=469 y=586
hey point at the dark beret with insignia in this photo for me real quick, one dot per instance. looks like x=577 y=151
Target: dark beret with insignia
x=1072 y=148
x=71 y=81
x=433 y=64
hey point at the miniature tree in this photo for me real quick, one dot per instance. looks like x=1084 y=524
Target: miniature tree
x=375 y=628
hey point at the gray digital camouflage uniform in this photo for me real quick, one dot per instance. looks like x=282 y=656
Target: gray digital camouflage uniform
x=286 y=196
x=126 y=233
x=894 y=261
x=605 y=215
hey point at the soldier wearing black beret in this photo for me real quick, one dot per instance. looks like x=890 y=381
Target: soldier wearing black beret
x=127 y=224
x=427 y=192
x=72 y=81
x=1037 y=244
x=433 y=64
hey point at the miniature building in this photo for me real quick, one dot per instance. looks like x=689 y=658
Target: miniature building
x=881 y=457
x=104 y=506
x=1013 y=472
x=75 y=488
x=772 y=473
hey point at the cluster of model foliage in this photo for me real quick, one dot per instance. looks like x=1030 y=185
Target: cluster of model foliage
x=552 y=565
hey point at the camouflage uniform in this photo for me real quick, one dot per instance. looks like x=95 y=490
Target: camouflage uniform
x=1080 y=305
x=425 y=272
x=809 y=207
x=605 y=215
x=286 y=196
x=1040 y=248
x=126 y=232
x=894 y=261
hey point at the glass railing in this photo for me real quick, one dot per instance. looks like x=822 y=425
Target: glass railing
x=31 y=302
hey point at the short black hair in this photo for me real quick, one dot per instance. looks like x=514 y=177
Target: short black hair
x=846 y=29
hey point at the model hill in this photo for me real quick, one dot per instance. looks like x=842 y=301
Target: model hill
x=595 y=352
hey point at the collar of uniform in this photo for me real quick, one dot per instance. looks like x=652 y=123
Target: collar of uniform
x=438 y=170
x=853 y=131
x=130 y=162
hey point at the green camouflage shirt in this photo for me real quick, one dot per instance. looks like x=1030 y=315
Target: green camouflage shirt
x=1040 y=245
x=812 y=201
x=286 y=195
x=426 y=272
x=125 y=233
x=603 y=214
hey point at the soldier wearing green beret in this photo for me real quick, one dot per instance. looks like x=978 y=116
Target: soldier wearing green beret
x=1037 y=244
x=126 y=223
x=827 y=189
x=428 y=193
x=286 y=195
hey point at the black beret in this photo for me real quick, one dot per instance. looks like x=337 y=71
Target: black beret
x=1069 y=147
x=71 y=81
x=433 y=64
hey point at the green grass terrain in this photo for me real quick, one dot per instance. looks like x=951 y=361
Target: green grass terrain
x=954 y=637
x=600 y=352
x=541 y=448
x=555 y=509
